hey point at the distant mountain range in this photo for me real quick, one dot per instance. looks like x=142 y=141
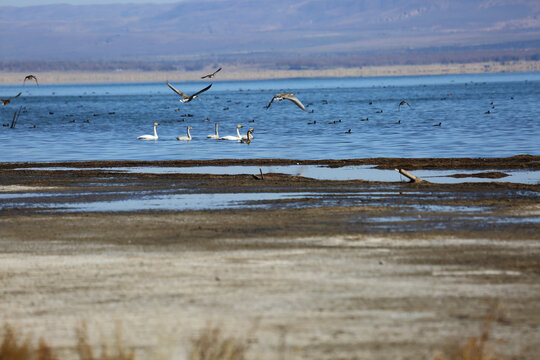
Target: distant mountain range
x=305 y=33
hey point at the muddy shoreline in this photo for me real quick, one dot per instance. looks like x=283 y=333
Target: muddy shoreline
x=341 y=270
x=531 y=162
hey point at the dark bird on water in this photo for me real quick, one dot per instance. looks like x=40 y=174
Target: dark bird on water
x=31 y=77
x=247 y=139
x=439 y=124
x=187 y=98
x=403 y=102
x=288 y=96
x=348 y=131
x=209 y=76
x=8 y=100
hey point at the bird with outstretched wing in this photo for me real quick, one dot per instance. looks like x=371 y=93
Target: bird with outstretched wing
x=31 y=77
x=287 y=96
x=8 y=100
x=209 y=76
x=403 y=102
x=187 y=98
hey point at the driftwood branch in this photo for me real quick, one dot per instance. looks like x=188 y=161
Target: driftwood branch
x=411 y=177
x=259 y=177
x=15 y=118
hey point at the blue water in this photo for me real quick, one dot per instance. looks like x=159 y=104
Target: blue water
x=102 y=121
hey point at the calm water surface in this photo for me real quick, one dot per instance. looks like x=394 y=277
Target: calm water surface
x=102 y=121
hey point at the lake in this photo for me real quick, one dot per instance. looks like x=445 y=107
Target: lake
x=102 y=121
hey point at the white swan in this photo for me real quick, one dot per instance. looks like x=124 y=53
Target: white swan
x=185 y=138
x=247 y=138
x=231 y=137
x=150 y=137
x=216 y=135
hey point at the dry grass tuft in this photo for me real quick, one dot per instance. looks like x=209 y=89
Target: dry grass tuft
x=85 y=352
x=14 y=347
x=476 y=347
x=211 y=344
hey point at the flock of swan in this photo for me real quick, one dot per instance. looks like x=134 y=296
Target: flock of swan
x=238 y=137
x=185 y=98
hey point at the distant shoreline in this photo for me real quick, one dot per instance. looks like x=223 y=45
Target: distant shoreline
x=237 y=72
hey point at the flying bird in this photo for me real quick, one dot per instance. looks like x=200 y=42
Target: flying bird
x=288 y=96
x=187 y=98
x=8 y=100
x=209 y=76
x=403 y=102
x=31 y=77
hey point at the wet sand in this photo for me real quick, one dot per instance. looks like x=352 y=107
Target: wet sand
x=407 y=270
x=530 y=162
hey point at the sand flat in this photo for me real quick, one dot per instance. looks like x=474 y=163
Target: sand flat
x=415 y=269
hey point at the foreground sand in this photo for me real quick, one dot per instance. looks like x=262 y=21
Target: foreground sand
x=384 y=279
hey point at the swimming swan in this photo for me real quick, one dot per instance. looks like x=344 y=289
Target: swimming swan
x=185 y=138
x=216 y=135
x=231 y=137
x=150 y=137
x=247 y=138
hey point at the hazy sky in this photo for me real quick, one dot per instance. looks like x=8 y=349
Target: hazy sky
x=77 y=2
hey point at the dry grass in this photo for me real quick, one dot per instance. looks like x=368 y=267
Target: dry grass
x=476 y=347
x=14 y=347
x=85 y=352
x=211 y=344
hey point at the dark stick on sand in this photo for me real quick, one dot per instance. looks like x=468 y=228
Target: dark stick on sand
x=411 y=177
x=259 y=177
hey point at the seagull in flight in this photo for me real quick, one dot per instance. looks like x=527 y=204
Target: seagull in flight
x=209 y=76
x=31 y=77
x=403 y=102
x=288 y=96
x=187 y=98
x=8 y=100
